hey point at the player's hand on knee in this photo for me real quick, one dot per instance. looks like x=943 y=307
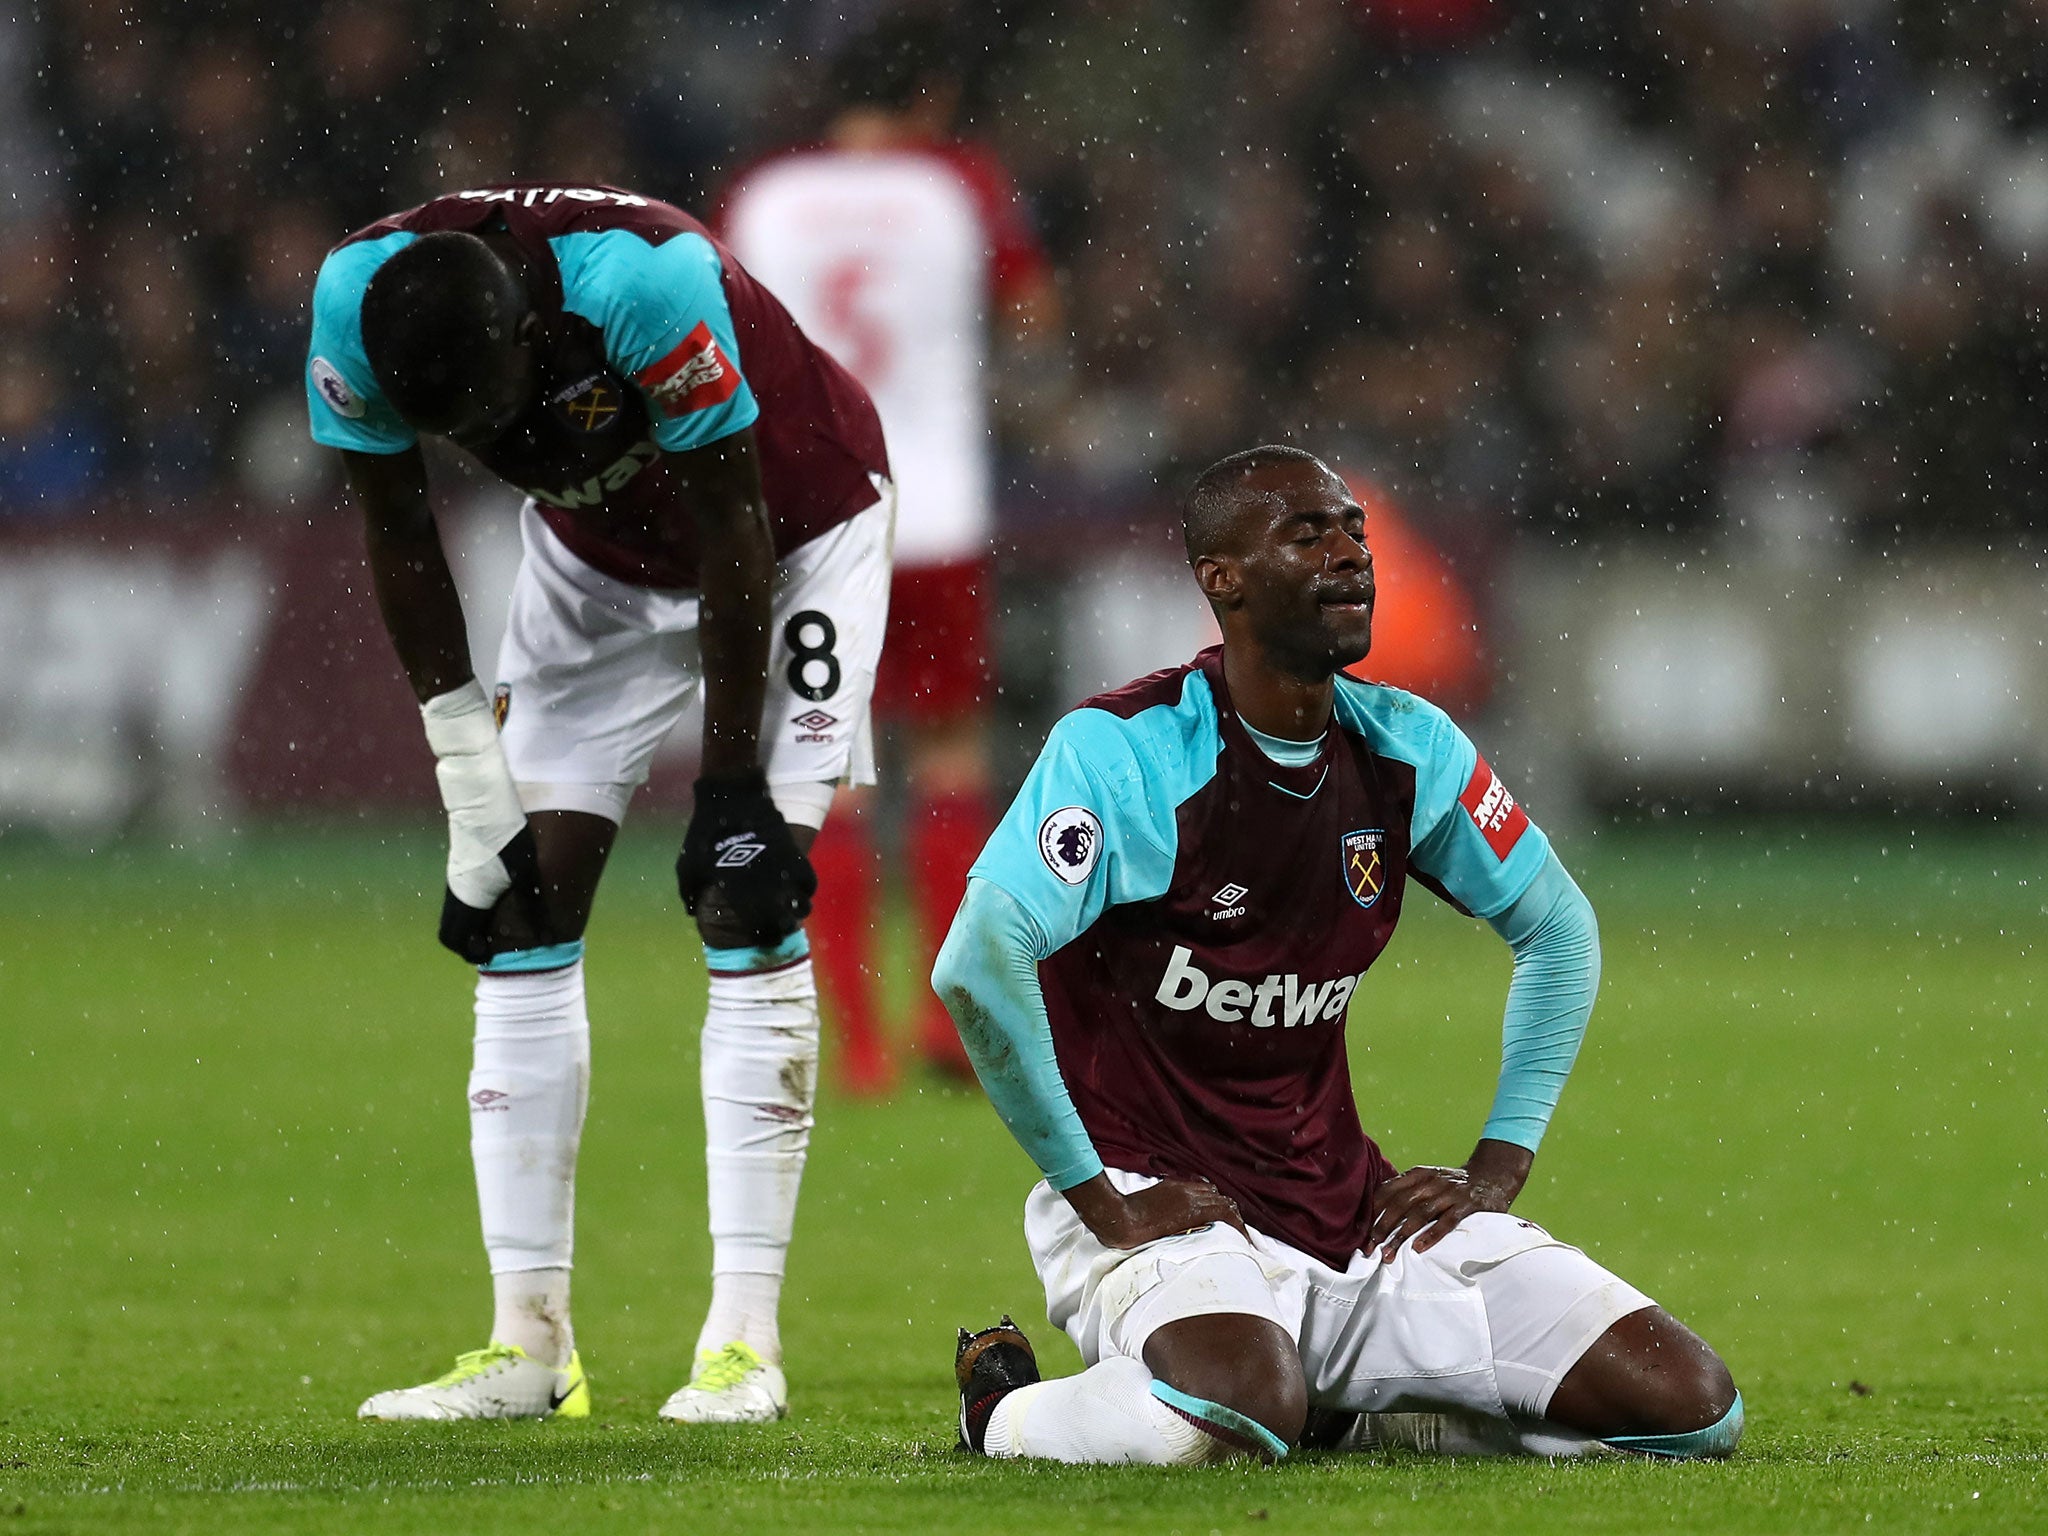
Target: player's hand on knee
x=477 y=933
x=1165 y=1209
x=491 y=853
x=1427 y=1204
x=739 y=847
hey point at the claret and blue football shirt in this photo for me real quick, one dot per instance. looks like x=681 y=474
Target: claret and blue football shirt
x=652 y=340
x=1203 y=915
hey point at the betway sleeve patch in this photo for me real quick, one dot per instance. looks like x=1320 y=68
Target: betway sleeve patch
x=1493 y=810
x=694 y=377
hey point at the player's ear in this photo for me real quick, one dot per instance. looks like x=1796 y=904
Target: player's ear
x=1216 y=575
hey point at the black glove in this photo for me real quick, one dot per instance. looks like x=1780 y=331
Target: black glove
x=468 y=930
x=739 y=856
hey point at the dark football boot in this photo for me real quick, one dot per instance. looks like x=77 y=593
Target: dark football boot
x=1331 y=1429
x=989 y=1366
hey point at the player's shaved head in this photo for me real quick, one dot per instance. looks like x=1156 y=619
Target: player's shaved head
x=1209 y=514
x=438 y=317
x=1277 y=543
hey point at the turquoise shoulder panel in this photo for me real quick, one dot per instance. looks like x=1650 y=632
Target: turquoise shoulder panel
x=344 y=406
x=650 y=300
x=1484 y=870
x=1094 y=825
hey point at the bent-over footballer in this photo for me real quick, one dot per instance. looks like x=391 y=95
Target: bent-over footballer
x=707 y=509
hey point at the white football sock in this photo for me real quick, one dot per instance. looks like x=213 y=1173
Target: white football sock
x=760 y=1070
x=527 y=1091
x=531 y=1309
x=1105 y=1414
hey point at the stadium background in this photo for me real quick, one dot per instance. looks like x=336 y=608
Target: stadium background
x=1700 y=343
x=1702 y=340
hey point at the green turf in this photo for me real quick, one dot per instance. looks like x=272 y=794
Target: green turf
x=234 y=1199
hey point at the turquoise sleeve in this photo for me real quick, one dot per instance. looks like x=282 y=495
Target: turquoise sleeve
x=1467 y=832
x=344 y=406
x=1556 y=943
x=987 y=976
x=1470 y=835
x=1091 y=828
x=667 y=326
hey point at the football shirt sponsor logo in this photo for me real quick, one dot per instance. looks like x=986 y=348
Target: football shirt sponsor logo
x=694 y=377
x=334 y=389
x=1284 y=1000
x=1365 y=872
x=611 y=478
x=1493 y=810
x=1070 y=840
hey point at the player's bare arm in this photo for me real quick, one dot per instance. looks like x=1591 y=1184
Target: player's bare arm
x=736 y=555
x=495 y=885
x=739 y=897
x=409 y=569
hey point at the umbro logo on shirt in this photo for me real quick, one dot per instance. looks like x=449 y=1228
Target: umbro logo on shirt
x=1231 y=900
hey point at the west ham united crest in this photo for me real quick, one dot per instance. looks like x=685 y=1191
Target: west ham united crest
x=1365 y=872
x=588 y=405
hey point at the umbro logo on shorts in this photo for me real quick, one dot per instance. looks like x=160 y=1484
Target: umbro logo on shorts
x=814 y=725
x=739 y=850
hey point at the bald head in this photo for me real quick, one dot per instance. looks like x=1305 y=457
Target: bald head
x=438 y=317
x=1210 y=514
x=1277 y=542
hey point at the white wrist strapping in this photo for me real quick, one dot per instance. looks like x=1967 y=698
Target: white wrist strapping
x=483 y=807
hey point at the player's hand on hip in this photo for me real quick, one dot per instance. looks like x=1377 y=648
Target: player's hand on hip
x=1425 y=1201
x=740 y=868
x=1165 y=1209
x=1428 y=1203
x=491 y=853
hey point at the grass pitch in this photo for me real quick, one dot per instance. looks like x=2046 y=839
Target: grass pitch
x=235 y=1199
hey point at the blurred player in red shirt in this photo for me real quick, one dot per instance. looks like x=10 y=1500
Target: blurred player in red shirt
x=904 y=253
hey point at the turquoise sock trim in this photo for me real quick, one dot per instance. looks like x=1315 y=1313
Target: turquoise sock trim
x=549 y=957
x=759 y=957
x=1234 y=1424
x=1715 y=1440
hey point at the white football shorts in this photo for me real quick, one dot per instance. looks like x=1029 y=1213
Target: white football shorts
x=1487 y=1321
x=594 y=671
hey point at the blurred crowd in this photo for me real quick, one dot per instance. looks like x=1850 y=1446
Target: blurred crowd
x=1766 y=272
